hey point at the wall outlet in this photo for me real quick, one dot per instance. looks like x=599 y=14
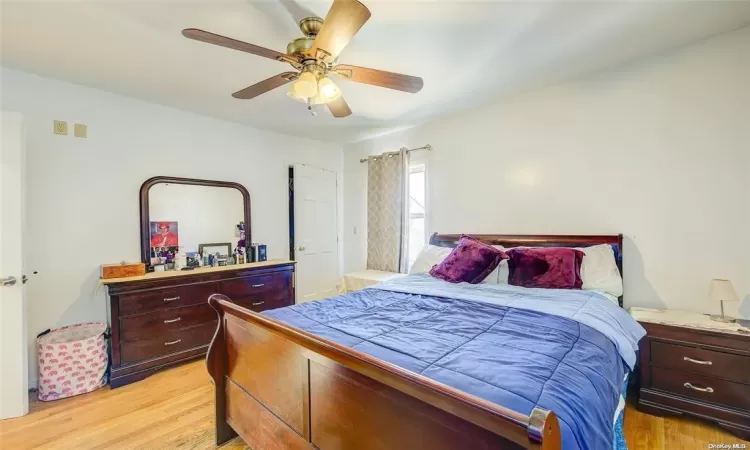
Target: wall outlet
x=80 y=130
x=60 y=127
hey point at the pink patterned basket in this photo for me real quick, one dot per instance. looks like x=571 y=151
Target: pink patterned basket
x=72 y=360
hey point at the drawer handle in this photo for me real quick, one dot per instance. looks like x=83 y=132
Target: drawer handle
x=173 y=342
x=699 y=389
x=172 y=320
x=697 y=361
x=259 y=285
x=171 y=299
x=258 y=303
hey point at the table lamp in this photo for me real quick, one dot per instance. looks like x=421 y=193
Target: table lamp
x=722 y=291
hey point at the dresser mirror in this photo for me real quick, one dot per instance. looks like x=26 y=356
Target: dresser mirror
x=183 y=217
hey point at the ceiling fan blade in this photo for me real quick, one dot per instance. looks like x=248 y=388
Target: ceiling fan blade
x=211 y=38
x=342 y=22
x=390 y=80
x=265 y=85
x=339 y=108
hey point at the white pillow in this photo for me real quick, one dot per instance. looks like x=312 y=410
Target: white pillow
x=501 y=272
x=428 y=257
x=599 y=270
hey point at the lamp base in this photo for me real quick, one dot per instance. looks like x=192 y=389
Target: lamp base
x=723 y=319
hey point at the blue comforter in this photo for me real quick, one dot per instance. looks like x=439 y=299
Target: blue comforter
x=566 y=351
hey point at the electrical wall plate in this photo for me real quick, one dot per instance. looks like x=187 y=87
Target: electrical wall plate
x=60 y=127
x=80 y=130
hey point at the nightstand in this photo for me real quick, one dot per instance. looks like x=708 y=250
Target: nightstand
x=694 y=366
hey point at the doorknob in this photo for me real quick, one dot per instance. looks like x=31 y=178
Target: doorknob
x=301 y=248
x=8 y=281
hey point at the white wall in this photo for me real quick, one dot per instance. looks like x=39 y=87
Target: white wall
x=656 y=150
x=83 y=193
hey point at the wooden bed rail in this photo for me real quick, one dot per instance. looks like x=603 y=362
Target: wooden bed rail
x=281 y=387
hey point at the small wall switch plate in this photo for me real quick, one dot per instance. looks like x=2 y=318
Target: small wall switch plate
x=60 y=127
x=80 y=130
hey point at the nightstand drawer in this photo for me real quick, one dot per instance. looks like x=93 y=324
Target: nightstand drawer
x=700 y=387
x=697 y=360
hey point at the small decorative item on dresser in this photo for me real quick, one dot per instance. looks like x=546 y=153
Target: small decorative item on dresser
x=692 y=365
x=220 y=248
x=123 y=270
x=722 y=291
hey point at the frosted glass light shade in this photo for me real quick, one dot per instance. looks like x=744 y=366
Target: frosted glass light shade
x=292 y=93
x=306 y=85
x=328 y=89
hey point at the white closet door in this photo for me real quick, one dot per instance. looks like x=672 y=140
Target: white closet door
x=315 y=233
x=14 y=366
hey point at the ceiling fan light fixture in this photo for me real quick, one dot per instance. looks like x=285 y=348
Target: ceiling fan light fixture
x=314 y=57
x=327 y=89
x=291 y=93
x=306 y=85
x=318 y=100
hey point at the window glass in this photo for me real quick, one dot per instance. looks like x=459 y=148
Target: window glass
x=417 y=237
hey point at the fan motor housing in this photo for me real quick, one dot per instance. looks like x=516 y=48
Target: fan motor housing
x=300 y=46
x=310 y=26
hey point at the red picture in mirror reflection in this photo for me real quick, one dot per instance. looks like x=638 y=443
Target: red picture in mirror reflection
x=164 y=234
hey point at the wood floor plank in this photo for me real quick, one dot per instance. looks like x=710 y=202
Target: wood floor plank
x=174 y=410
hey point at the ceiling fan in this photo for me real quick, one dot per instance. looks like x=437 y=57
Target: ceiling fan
x=315 y=56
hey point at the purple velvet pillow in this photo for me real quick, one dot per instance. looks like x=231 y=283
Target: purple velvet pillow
x=550 y=268
x=471 y=261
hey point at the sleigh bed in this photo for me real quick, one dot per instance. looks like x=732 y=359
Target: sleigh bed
x=322 y=375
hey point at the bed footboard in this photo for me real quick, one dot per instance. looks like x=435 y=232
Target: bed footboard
x=279 y=387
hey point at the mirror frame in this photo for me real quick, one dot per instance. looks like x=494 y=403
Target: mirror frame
x=145 y=219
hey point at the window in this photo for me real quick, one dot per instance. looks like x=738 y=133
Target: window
x=417 y=237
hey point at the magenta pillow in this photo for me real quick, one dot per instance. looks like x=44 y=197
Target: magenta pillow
x=471 y=261
x=550 y=268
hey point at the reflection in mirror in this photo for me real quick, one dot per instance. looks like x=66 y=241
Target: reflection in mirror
x=185 y=216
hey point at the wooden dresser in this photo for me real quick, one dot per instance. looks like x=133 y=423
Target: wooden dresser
x=162 y=319
x=694 y=366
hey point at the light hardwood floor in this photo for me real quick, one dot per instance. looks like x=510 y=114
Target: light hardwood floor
x=174 y=410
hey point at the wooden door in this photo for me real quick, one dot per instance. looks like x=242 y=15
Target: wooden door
x=315 y=233
x=14 y=382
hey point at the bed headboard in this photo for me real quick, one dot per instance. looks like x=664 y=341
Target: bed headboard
x=538 y=240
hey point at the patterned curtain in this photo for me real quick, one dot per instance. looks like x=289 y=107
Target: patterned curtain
x=387 y=219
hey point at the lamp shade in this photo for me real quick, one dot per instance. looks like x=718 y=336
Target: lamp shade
x=722 y=290
x=328 y=90
x=306 y=85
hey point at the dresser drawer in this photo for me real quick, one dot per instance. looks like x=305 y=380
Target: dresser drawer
x=262 y=302
x=148 y=326
x=259 y=293
x=697 y=360
x=167 y=342
x=703 y=388
x=258 y=284
x=158 y=299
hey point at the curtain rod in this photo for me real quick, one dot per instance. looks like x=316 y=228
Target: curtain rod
x=427 y=147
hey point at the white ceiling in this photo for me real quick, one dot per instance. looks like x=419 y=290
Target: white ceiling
x=469 y=53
